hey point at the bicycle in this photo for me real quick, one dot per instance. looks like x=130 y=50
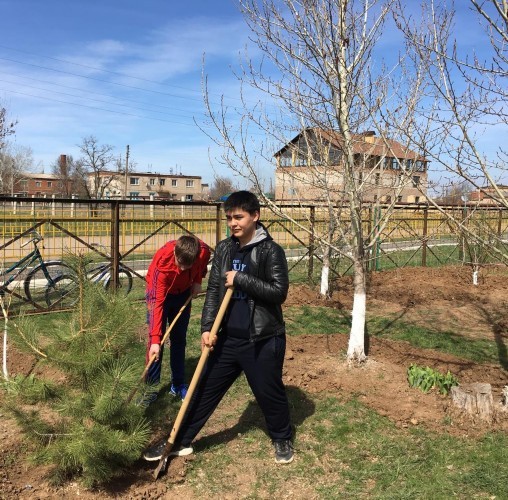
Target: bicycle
x=101 y=272
x=48 y=284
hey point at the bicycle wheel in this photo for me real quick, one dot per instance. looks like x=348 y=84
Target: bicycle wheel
x=43 y=276
x=63 y=292
x=124 y=282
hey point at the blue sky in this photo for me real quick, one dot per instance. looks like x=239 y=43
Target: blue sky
x=127 y=72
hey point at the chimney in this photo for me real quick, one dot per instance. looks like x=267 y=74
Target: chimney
x=369 y=136
x=62 y=164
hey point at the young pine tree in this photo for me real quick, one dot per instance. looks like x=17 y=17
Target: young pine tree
x=76 y=412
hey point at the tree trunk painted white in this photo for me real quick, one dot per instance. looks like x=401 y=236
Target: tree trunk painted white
x=356 y=346
x=475 y=277
x=325 y=273
x=4 y=351
x=4 y=354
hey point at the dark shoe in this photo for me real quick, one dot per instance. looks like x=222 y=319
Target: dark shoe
x=283 y=451
x=155 y=452
x=179 y=391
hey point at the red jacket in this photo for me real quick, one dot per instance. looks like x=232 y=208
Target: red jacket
x=164 y=277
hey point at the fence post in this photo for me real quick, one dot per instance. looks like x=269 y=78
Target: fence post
x=217 y=224
x=500 y=224
x=424 y=245
x=52 y=205
x=32 y=212
x=310 y=268
x=115 y=242
x=73 y=196
x=151 y=207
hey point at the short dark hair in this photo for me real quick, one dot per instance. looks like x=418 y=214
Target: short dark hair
x=245 y=200
x=187 y=250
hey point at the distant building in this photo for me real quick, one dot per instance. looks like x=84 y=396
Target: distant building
x=39 y=185
x=385 y=167
x=486 y=196
x=144 y=185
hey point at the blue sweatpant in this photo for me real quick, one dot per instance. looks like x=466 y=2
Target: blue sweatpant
x=177 y=339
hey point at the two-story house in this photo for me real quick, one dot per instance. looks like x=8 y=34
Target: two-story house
x=310 y=167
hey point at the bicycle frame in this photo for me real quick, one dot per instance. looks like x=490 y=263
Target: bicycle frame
x=24 y=263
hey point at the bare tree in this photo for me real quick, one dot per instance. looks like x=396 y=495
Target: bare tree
x=7 y=127
x=221 y=186
x=467 y=97
x=15 y=160
x=94 y=167
x=319 y=71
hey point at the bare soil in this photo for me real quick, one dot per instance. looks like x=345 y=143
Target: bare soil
x=443 y=298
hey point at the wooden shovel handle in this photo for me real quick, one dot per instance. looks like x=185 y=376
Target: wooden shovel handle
x=194 y=382
x=163 y=340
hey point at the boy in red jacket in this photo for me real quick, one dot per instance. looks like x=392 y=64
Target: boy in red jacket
x=176 y=271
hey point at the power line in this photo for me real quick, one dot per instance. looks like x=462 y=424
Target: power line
x=100 y=69
x=96 y=100
x=100 y=109
x=90 y=91
x=100 y=80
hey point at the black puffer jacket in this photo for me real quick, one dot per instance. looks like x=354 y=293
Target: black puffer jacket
x=266 y=284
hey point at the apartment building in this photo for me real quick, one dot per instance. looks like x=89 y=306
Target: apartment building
x=144 y=185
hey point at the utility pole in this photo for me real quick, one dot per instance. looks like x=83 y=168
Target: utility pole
x=126 y=171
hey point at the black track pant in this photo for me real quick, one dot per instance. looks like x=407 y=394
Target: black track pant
x=262 y=363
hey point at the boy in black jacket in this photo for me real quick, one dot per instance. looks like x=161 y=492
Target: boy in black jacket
x=252 y=335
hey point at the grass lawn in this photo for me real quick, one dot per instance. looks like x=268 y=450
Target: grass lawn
x=344 y=449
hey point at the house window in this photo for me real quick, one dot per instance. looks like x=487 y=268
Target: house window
x=189 y=183
x=152 y=182
x=417 y=199
x=162 y=182
x=285 y=161
x=38 y=184
x=375 y=197
x=416 y=181
x=134 y=181
x=388 y=199
x=133 y=194
x=300 y=161
x=174 y=183
x=291 y=191
x=188 y=197
x=377 y=179
x=409 y=164
x=50 y=184
x=399 y=199
x=395 y=164
x=420 y=166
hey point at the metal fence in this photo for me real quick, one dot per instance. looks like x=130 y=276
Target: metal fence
x=121 y=237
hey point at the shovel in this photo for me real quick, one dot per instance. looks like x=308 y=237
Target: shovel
x=194 y=382
x=166 y=335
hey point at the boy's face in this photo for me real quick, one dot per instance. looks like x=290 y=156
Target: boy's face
x=242 y=224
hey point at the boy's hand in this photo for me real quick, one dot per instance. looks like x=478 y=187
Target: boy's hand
x=230 y=278
x=154 y=349
x=196 y=290
x=205 y=341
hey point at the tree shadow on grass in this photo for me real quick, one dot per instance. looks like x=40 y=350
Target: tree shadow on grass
x=301 y=407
